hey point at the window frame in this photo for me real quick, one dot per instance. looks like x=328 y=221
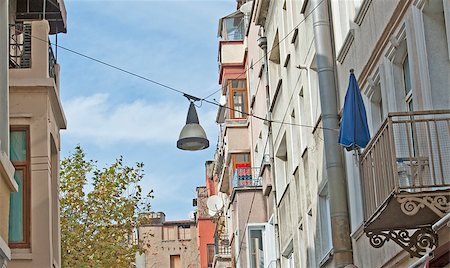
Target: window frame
x=231 y=91
x=26 y=167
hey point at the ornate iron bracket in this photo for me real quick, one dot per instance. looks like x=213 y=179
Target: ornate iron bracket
x=410 y=205
x=415 y=244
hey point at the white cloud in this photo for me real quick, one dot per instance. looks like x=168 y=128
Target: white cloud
x=96 y=119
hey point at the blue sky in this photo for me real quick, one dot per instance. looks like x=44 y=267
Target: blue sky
x=110 y=113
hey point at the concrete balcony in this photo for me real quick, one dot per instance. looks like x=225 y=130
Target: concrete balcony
x=406 y=180
x=32 y=63
x=231 y=59
x=235 y=139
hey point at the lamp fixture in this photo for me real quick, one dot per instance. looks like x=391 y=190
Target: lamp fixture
x=192 y=136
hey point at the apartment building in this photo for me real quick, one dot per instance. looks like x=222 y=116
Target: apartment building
x=205 y=228
x=35 y=120
x=318 y=205
x=171 y=244
x=7 y=182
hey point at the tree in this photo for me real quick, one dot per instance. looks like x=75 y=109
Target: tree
x=97 y=225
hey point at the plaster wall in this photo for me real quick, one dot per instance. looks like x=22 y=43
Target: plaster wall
x=158 y=251
x=231 y=52
x=247 y=204
x=373 y=49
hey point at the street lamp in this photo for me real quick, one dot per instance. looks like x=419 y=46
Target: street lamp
x=192 y=136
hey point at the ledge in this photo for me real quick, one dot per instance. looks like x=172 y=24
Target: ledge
x=5 y=251
x=362 y=12
x=346 y=46
x=21 y=254
x=7 y=172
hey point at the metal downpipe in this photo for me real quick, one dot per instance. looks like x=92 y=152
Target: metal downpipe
x=333 y=152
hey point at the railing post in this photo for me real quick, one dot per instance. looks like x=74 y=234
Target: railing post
x=390 y=127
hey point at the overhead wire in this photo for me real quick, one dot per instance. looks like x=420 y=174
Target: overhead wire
x=274 y=46
x=189 y=96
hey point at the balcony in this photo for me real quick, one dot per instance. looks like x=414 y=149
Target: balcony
x=406 y=180
x=30 y=53
x=246 y=177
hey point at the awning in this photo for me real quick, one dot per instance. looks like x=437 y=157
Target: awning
x=55 y=13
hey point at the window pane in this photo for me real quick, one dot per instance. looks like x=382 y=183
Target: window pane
x=18 y=150
x=236 y=83
x=407 y=75
x=239 y=104
x=16 y=210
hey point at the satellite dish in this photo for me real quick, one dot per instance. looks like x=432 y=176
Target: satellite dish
x=212 y=213
x=246 y=8
x=214 y=203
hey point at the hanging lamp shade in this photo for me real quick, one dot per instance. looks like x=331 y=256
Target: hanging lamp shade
x=192 y=136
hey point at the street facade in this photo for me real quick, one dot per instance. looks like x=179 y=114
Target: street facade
x=293 y=197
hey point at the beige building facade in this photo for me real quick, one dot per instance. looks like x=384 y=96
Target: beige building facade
x=171 y=244
x=319 y=205
x=30 y=221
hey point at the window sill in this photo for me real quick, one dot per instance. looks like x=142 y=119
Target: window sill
x=21 y=254
x=7 y=172
x=328 y=256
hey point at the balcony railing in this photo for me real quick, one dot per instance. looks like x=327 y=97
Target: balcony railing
x=20 y=46
x=222 y=245
x=246 y=177
x=406 y=177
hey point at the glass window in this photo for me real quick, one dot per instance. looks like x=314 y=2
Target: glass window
x=169 y=233
x=325 y=222
x=184 y=232
x=18 y=148
x=238 y=98
x=16 y=232
x=210 y=251
x=19 y=218
x=256 y=249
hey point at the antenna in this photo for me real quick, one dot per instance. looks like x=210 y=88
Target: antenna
x=214 y=204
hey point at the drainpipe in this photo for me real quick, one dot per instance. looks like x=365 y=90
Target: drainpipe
x=333 y=152
x=262 y=43
x=4 y=76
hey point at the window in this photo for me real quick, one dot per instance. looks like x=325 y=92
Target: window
x=281 y=166
x=169 y=233
x=256 y=247
x=175 y=261
x=210 y=255
x=19 y=213
x=184 y=232
x=407 y=84
x=238 y=98
x=325 y=222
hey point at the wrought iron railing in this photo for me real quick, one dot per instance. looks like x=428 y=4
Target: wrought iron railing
x=410 y=153
x=51 y=62
x=19 y=46
x=246 y=177
x=222 y=244
x=20 y=42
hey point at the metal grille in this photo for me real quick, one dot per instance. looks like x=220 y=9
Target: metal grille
x=222 y=245
x=20 y=46
x=246 y=177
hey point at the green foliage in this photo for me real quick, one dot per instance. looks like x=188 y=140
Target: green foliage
x=97 y=225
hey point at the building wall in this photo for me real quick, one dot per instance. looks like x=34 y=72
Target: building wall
x=34 y=102
x=159 y=251
x=377 y=42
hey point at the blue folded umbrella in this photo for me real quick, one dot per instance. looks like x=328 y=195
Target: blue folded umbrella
x=354 y=132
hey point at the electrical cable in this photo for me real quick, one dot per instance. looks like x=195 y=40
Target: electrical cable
x=274 y=46
x=189 y=96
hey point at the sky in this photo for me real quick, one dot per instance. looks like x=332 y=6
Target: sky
x=110 y=113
